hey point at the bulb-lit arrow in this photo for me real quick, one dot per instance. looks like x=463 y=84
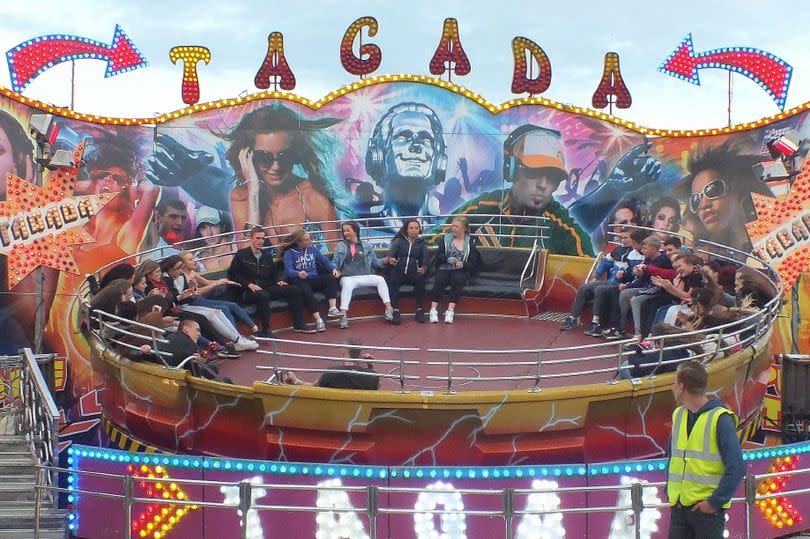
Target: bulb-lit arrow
x=31 y=58
x=769 y=71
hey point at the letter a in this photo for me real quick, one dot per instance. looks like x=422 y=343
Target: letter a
x=275 y=65
x=611 y=84
x=450 y=55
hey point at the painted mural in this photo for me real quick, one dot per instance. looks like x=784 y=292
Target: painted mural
x=385 y=151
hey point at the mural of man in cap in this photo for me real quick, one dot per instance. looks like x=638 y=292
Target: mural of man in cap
x=534 y=163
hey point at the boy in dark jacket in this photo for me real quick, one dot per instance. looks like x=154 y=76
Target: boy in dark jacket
x=255 y=271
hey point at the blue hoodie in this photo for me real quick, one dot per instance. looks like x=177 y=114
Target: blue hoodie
x=730 y=451
x=308 y=260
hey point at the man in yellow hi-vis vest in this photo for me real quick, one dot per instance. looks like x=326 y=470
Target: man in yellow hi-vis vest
x=705 y=458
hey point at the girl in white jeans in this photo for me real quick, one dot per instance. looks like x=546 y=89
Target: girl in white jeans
x=354 y=260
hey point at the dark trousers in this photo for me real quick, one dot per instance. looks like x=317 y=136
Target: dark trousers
x=649 y=307
x=687 y=524
x=396 y=279
x=455 y=278
x=293 y=295
x=322 y=283
x=585 y=293
x=606 y=304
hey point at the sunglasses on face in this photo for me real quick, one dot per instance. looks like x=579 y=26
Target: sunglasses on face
x=120 y=179
x=715 y=189
x=263 y=159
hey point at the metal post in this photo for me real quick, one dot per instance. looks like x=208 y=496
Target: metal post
x=402 y=372
x=615 y=379
x=508 y=510
x=449 y=389
x=750 y=501
x=637 y=503
x=245 y=500
x=536 y=387
x=275 y=362
x=373 y=494
x=129 y=493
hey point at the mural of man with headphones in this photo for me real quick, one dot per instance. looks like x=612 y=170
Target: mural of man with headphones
x=534 y=163
x=407 y=157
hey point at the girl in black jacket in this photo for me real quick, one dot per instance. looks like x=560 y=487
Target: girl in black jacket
x=456 y=260
x=407 y=256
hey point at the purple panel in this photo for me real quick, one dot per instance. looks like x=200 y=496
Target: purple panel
x=619 y=522
x=761 y=524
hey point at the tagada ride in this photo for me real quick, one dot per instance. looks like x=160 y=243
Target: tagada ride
x=500 y=386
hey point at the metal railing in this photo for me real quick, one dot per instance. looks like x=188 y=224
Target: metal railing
x=372 y=509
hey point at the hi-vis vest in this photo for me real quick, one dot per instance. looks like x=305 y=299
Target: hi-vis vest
x=695 y=465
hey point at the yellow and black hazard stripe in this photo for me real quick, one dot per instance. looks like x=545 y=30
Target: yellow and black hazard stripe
x=124 y=440
x=748 y=430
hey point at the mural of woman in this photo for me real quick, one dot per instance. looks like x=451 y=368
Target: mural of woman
x=718 y=192
x=286 y=176
x=665 y=215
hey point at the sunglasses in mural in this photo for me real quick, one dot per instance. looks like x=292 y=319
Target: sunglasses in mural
x=714 y=190
x=264 y=159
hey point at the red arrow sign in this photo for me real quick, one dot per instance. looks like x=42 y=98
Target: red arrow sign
x=30 y=59
x=769 y=71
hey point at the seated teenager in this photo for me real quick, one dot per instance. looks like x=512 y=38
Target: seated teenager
x=119 y=271
x=183 y=345
x=751 y=288
x=457 y=260
x=108 y=298
x=158 y=286
x=606 y=296
x=654 y=260
x=355 y=261
x=407 y=256
x=612 y=270
x=204 y=288
x=308 y=269
x=677 y=296
x=254 y=270
x=184 y=296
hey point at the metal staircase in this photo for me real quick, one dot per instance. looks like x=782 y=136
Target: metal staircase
x=28 y=420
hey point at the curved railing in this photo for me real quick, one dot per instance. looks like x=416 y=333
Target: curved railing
x=715 y=341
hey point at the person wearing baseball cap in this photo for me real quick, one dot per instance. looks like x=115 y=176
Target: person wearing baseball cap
x=534 y=163
x=209 y=226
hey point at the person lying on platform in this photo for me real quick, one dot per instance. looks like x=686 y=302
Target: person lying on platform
x=350 y=375
x=255 y=270
x=614 y=268
x=648 y=358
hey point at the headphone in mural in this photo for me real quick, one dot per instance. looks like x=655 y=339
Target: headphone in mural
x=509 y=159
x=375 y=155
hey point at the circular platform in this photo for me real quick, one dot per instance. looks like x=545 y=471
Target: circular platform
x=498 y=336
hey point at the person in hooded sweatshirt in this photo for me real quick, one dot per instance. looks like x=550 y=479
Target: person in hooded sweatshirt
x=407 y=256
x=705 y=459
x=308 y=269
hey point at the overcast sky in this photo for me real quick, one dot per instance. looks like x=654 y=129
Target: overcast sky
x=574 y=35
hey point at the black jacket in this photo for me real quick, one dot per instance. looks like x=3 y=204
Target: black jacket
x=244 y=269
x=180 y=346
x=409 y=255
x=471 y=266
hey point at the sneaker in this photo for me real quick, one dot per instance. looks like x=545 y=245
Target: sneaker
x=614 y=334
x=344 y=321
x=448 y=317
x=265 y=334
x=420 y=316
x=334 y=312
x=570 y=323
x=227 y=354
x=320 y=325
x=243 y=344
x=594 y=330
x=306 y=328
x=434 y=316
x=389 y=314
x=396 y=318
x=645 y=344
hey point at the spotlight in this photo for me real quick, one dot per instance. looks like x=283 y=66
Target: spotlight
x=43 y=128
x=786 y=145
x=769 y=171
x=60 y=159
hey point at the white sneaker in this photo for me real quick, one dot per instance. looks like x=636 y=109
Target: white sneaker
x=243 y=344
x=320 y=325
x=333 y=313
x=448 y=317
x=434 y=316
x=389 y=313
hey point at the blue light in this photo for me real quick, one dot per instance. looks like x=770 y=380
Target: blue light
x=71 y=526
x=471 y=474
x=318 y=470
x=343 y=472
x=238 y=465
